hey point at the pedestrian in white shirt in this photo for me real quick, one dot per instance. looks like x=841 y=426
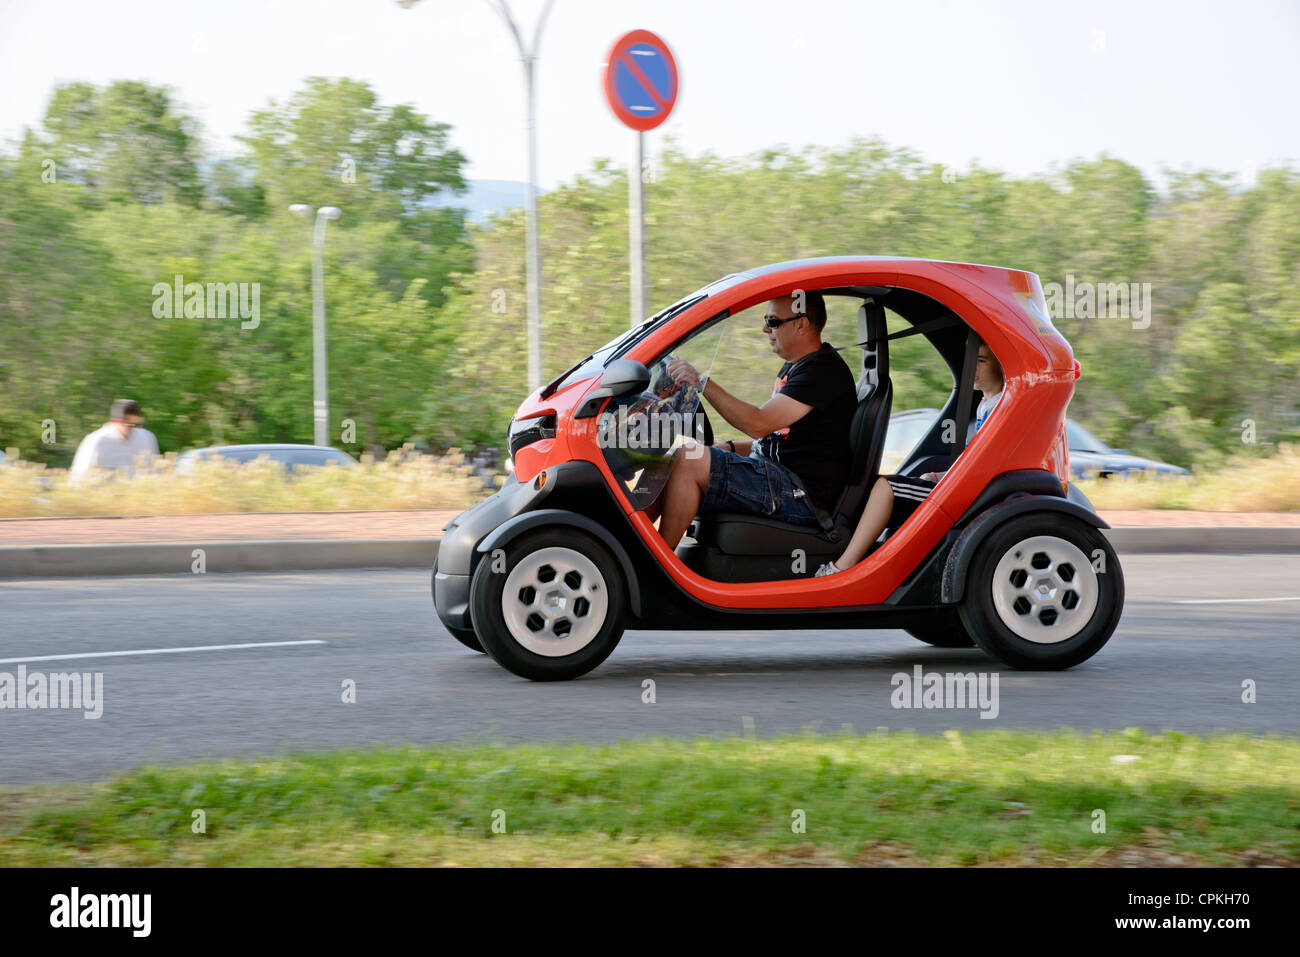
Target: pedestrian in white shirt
x=118 y=445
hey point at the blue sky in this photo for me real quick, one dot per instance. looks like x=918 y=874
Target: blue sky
x=1019 y=86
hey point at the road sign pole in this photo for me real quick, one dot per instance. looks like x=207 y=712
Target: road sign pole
x=641 y=88
x=636 y=231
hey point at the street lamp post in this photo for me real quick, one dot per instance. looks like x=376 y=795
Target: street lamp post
x=533 y=266
x=320 y=369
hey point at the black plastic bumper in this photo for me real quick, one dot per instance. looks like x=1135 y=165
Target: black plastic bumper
x=456 y=552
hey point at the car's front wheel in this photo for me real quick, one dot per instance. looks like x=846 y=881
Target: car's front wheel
x=551 y=606
x=1045 y=592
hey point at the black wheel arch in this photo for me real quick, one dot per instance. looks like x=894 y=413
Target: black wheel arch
x=953 y=582
x=511 y=529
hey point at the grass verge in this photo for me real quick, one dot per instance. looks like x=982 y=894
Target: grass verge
x=985 y=798
x=1246 y=484
x=401 y=481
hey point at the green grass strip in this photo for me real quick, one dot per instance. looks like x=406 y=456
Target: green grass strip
x=986 y=798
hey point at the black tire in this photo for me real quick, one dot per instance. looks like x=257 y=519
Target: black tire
x=465 y=636
x=945 y=631
x=599 y=580
x=1042 y=545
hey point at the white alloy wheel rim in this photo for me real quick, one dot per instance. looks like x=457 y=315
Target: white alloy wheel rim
x=1045 y=589
x=555 y=601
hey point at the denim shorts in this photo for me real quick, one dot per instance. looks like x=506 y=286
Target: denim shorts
x=756 y=486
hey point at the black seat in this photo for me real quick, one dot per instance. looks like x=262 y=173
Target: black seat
x=738 y=534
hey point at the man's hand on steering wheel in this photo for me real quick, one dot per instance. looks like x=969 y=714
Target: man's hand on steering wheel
x=684 y=373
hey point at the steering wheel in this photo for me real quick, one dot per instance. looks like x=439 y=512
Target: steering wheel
x=708 y=426
x=664 y=386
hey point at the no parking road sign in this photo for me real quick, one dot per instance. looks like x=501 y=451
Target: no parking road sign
x=641 y=80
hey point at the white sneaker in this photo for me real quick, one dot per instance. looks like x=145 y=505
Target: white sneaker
x=830 y=568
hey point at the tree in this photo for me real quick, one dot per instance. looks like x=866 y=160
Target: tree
x=127 y=142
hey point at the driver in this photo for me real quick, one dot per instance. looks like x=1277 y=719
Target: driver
x=798 y=439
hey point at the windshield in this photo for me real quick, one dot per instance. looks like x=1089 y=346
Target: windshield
x=1081 y=440
x=641 y=433
x=594 y=363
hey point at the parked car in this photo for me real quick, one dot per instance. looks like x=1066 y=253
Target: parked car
x=906 y=429
x=1090 y=457
x=292 y=457
x=547 y=573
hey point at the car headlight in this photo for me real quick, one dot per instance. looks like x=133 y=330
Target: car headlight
x=527 y=431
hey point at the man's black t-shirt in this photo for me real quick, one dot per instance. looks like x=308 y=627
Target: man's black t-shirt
x=816 y=447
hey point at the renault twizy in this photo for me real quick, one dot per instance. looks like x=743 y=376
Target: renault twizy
x=546 y=574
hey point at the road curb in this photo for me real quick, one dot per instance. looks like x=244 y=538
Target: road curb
x=1204 y=539
x=164 y=558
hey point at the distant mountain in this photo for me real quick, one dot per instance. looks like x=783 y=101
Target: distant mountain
x=486 y=197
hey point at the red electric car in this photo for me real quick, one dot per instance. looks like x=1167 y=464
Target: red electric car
x=546 y=574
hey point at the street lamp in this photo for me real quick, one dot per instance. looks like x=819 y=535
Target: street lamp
x=320 y=391
x=533 y=266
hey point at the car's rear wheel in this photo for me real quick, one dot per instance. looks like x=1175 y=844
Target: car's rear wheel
x=553 y=607
x=465 y=636
x=944 y=631
x=1045 y=592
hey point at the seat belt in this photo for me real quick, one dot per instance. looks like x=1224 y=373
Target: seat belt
x=823 y=518
x=964 y=389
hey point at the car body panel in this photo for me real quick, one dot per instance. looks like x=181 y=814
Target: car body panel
x=1004 y=306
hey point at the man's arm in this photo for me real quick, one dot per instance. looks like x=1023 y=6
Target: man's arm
x=754 y=420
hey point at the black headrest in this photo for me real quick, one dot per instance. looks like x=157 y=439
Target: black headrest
x=875 y=354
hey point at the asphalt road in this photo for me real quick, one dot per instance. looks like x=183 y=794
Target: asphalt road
x=1171 y=665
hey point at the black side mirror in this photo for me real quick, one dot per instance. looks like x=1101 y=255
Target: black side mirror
x=621 y=377
x=625 y=377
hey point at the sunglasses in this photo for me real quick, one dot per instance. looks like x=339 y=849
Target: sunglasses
x=771 y=322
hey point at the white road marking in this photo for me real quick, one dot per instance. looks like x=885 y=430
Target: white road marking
x=1224 y=601
x=161 y=651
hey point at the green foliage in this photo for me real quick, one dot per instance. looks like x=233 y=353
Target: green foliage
x=1222 y=345
x=86 y=244
x=426 y=314
x=126 y=143
x=958 y=799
